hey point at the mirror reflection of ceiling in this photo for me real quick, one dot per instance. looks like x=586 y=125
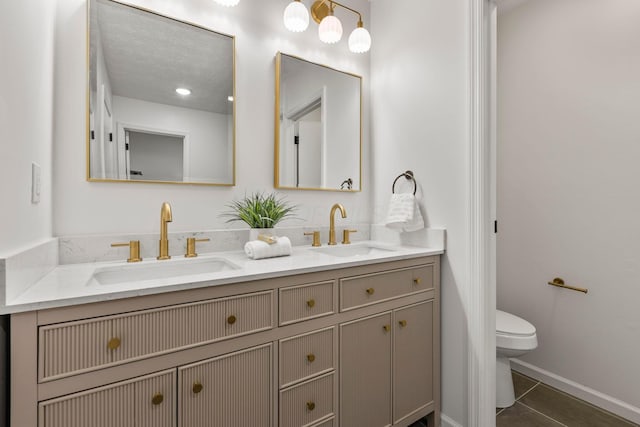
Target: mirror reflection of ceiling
x=148 y=60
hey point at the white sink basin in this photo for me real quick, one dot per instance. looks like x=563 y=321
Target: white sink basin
x=345 y=251
x=160 y=270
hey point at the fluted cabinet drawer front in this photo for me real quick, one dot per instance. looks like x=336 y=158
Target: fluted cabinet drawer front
x=150 y=332
x=305 y=403
x=73 y=347
x=248 y=313
x=359 y=291
x=134 y=403
x=304 y=302
x=230 y=390
x=304 y=356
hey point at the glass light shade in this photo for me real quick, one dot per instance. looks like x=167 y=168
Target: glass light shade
x=296 y=17
x=359 y=40
x=228 y=3
x=330 y=29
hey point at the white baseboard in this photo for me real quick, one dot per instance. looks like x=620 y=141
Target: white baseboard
x=448 y=422
x=580 y=391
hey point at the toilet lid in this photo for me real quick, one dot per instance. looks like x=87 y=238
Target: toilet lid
x=507 y=323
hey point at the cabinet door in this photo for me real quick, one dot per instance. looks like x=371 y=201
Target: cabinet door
x=142 y=402
x=230 y=390
x=413 y=359
x=365 y=372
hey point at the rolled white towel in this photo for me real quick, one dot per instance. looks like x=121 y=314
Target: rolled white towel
x=257 y=249
x=404 y=213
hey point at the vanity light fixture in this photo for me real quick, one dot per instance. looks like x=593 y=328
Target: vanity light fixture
x=227 y=3
x=230 y=98
x=296 y=19
x=183 y=91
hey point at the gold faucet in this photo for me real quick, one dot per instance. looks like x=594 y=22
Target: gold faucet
x=332 y=221
x=165 y=217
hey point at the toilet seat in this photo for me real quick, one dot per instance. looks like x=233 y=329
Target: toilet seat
x=513 y=332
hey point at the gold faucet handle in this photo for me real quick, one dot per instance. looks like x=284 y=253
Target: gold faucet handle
x=134 y=250
x=345 y=236
x=316 y=237
x=191 y=246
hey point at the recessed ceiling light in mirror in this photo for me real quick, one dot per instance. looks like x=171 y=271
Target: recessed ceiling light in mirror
x=183 y=91
x=230 y=98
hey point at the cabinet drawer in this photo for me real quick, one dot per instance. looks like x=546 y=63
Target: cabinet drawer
x=308 y=402
x=304 y=356
x=142 y=402
x=359 y=291
x=70 y=348
x=304 y=302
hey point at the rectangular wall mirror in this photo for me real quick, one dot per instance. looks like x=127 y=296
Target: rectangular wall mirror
x=161 y=99
x=318 y=127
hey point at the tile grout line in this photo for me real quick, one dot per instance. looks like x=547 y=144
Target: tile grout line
x=544 y=415
x=528 y=391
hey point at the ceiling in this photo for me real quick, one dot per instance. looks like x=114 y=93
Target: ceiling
x=148 y=56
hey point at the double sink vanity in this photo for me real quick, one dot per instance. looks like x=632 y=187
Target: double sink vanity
x=344 y=335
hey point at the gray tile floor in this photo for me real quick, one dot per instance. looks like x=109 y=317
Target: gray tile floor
x=539 y=405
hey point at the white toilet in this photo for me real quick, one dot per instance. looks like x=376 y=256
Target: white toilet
x=514 y=337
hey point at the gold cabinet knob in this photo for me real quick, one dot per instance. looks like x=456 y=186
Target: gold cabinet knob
x=231 y=319
x=370 y=291
x=197 y=387
x=386 y=328
x=311 y=357
x=417 y=280
x=311 y=303
x=157 y=398
x=311 y=406
x=113 y=343
x=403 y=323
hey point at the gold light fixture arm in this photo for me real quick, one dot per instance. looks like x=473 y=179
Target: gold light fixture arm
x=320 y=9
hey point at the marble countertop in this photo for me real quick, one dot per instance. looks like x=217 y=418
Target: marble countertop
x=75 y=283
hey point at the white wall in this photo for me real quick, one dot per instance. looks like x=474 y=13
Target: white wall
x=26 y=110
x=207 y=133
x=568 y=204
x=81 y=207
x=420 y=122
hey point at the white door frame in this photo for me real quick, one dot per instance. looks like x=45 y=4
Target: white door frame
x=481 y=302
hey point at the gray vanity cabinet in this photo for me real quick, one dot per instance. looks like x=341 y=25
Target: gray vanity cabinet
x=353 y=347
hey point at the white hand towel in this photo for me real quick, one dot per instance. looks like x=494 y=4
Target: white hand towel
x=404 y=213
x=257 y=249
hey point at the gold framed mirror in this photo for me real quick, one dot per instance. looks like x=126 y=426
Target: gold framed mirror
x=161 y=99
x=318 y=127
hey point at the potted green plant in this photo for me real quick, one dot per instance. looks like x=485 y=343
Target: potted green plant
x=260 y=211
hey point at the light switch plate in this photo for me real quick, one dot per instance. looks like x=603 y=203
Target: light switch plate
x=35 y=182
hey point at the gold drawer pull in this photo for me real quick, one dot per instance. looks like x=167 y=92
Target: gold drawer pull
x=417 y=280
x=197 y=387
x=157 y=399
x=311 y=303
x=311 y=406
x=113 y=343
x=311 y=357
x=386 y=328
x=403 y=323
x=370 y=291
x=231 y=319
